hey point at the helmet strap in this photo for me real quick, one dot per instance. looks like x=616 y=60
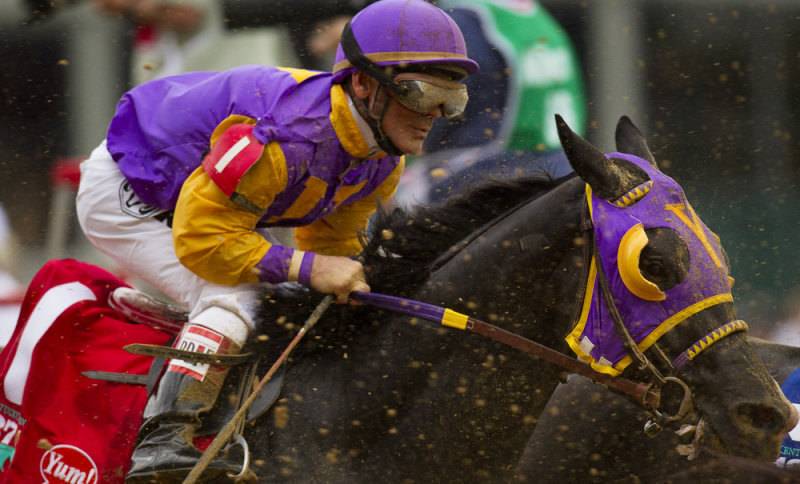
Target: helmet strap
x=375 y=120
x=354 y=54
x=376 y=123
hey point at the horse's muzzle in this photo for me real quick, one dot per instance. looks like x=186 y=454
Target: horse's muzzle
x=794 y=418
x=765 y=425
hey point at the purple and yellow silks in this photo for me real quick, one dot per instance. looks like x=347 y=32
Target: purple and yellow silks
x=162 y=129
x=646 y=312
x=317 y=172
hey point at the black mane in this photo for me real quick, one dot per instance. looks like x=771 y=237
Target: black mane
x=403 y=244
x=401 y=247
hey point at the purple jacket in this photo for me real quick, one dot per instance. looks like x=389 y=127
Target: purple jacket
x=162 y=130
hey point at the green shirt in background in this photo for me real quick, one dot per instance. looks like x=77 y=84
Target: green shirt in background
x=544 y=69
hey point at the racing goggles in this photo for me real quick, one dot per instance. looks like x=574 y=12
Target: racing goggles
x=425 y=93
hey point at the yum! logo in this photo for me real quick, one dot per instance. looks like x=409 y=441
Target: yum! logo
x=65 y=464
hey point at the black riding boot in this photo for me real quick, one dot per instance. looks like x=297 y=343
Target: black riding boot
x=164 y=451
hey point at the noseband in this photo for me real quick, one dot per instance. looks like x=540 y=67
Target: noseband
x=703 y=343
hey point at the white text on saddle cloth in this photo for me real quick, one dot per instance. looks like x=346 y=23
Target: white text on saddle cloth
x=201 y=340
x=67 y=464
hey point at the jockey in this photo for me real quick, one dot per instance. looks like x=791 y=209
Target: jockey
x=196 y=168
x=790 y=447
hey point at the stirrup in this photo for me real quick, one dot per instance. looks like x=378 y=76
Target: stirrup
x=141 y=308
x=241 y=442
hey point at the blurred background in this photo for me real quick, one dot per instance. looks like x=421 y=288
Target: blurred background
x=712 y=84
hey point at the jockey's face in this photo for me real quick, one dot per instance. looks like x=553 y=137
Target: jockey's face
x=406 y=129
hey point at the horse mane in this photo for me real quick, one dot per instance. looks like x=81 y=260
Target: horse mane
x=402 y=244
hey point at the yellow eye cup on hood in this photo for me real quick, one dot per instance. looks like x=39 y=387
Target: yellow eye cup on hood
x=628 y=254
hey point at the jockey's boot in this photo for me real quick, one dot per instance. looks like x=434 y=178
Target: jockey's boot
x=164 y=450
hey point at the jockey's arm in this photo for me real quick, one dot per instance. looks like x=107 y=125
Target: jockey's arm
x=214 y=236
x=338 y=235
x=220 y=205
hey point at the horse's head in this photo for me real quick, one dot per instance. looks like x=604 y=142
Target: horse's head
x=658 y=303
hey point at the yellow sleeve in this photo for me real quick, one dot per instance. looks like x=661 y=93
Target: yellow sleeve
x=338 y=233
x=213 y=236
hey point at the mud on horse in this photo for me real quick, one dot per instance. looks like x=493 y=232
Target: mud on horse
x=610 y=432
x=378 y=395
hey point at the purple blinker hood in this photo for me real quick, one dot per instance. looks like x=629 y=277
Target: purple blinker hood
x=594 y=338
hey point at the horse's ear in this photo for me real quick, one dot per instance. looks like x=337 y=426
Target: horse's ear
x=609 y=178
x=631 y=141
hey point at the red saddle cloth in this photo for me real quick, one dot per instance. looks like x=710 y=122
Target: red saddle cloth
x=56 y=425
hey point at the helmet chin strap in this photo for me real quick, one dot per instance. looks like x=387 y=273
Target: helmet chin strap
x=374 y=121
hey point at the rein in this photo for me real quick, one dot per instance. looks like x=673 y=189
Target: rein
x=647 y=395
x=644 y=393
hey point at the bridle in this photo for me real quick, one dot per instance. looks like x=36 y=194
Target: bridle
x=646 y=394
x=673 y=368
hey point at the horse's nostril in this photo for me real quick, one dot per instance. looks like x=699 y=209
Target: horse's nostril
x=758 y=416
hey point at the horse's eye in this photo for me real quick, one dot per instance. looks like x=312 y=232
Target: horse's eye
x=665 y=259
x=652 y=270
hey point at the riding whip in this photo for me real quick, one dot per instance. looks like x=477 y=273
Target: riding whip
x=222 y=437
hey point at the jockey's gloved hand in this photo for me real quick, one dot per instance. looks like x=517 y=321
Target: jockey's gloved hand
x=338 y=276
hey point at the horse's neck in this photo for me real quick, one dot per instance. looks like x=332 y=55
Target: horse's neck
x=422 y=372
x=522 y=267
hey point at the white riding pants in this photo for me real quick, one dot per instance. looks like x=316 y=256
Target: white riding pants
x=136 y=236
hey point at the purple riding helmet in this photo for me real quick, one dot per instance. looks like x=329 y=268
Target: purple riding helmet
x=400 y=43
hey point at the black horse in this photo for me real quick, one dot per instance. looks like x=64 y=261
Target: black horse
x=605 y=442
x=374 y=396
